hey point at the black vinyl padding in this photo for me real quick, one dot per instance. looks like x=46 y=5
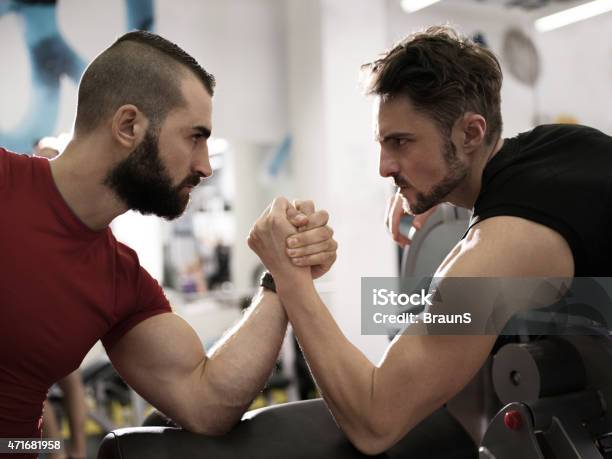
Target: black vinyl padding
x=290 y=431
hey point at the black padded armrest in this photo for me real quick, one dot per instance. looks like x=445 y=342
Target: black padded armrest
x=289 y=431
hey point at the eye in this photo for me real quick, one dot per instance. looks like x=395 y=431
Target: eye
x=197 y=137
x=398 y=142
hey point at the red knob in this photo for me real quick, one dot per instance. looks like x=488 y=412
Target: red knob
x=513 y=420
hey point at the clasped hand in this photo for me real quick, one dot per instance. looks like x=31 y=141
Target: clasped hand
x=294 y=239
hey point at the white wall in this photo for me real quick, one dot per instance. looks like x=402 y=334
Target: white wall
x=335 y=161
x=577 y=72
x=242 y=43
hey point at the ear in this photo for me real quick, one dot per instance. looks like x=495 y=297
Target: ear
x=474 y=128
x=129 y=126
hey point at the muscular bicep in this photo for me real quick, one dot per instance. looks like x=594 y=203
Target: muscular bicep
x=431 y=362
x=162 y=359
x=509 y=247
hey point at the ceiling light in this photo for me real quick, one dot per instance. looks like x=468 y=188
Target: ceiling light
x=410 y=6
x=571 y=15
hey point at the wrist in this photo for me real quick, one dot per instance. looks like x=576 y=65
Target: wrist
x=293 y=281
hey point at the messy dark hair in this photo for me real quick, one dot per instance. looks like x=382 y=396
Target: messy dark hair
x=444 y=75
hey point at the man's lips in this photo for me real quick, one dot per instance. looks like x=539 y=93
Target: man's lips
x=191 y=184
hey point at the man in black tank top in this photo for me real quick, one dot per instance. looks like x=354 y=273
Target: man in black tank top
x=558 y=176
x=541 y=210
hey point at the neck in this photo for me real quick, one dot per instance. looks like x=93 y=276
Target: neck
x=465 y=195
x=79 y=175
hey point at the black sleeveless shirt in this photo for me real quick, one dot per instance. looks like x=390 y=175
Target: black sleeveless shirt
x=559 y=176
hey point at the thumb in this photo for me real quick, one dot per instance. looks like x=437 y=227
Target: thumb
x=296 y=217
x=280 y=205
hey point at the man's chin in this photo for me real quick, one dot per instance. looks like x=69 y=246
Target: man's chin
x=180 y=210
x=169 y=215
x=165 y=213
x=417 y=208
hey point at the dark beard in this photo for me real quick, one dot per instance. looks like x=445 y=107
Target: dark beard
x=456 y=174
x=143 y=184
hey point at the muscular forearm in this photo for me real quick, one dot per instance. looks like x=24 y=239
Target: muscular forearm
x=342 y=372
x=241 y=363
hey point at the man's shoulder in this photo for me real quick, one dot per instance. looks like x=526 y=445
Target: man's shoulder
x=11 y=163
x=126 y=257
x=8 y=155
x=547 y=157
x=128 y=265
x=510 y=246
x=554 y=134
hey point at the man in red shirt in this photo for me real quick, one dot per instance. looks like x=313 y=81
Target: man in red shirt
x=140 y=142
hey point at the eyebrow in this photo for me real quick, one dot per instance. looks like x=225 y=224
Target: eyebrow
x=395 y=135
x=202 y=130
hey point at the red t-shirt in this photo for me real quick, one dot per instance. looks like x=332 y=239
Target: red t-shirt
x=62 y=288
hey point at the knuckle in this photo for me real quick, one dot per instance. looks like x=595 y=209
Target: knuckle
x=280 y=200
x=307 y=206
x=324 y=215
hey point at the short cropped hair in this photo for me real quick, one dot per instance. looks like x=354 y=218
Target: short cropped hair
x=140 y=68
x=444 y=75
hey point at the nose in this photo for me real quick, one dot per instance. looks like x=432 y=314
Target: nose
x=388 y=165
x=201 y=164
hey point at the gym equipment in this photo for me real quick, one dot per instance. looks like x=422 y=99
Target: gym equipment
x=556 y=391
x=104 y=386
x=434 y=241
x=289 y=431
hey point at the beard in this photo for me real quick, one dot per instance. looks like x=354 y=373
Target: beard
x=142 y=182
x=456 y=173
